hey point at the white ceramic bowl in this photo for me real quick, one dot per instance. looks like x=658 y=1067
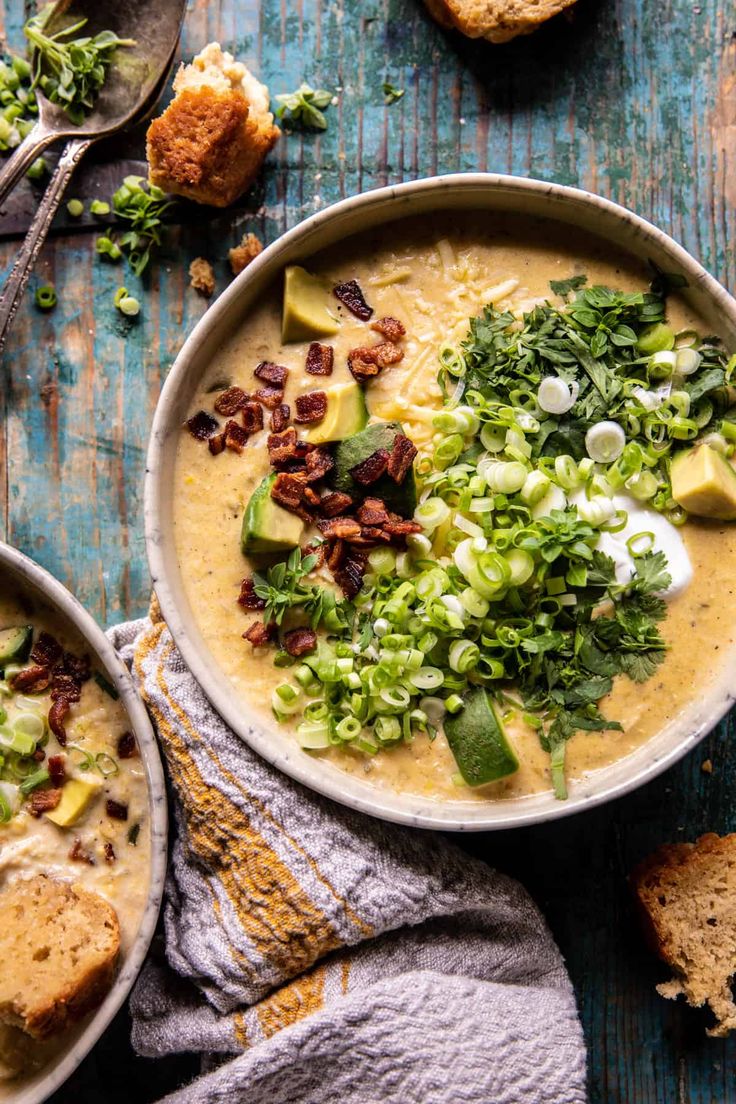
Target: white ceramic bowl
x=19 y=571
x=477 y=191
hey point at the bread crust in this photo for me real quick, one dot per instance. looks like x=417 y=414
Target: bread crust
x=497 y=21
x=686 y=895
x=208 y=146
x=64 y=943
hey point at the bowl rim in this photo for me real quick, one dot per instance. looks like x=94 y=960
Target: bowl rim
x=71 y=610
x=378 y=804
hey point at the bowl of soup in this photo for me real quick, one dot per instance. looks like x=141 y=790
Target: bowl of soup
x=438 y=502
x=82 y=831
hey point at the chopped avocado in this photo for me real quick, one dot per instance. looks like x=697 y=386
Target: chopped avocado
x=477 y=740
x=704 y=483
x=305 y=315
x=15 y=644
x=346 y=414
x=401 y=497
x=76 y=796
x=268 y=527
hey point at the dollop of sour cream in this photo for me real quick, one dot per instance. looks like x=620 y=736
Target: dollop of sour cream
x=667 y=539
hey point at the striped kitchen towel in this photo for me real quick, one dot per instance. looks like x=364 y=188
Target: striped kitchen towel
x=315 y=955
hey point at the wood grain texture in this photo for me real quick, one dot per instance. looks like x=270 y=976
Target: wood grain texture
x=630 y=98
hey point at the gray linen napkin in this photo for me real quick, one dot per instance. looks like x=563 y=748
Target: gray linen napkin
x=316 y=955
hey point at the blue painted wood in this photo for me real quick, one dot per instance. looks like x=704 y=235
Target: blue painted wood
x=630 y=98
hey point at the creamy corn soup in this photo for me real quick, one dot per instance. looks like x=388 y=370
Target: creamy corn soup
x=433 y=278
x=73 y=793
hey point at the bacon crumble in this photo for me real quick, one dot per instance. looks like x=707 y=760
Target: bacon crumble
x=275 y=374
x=43 y=801
x=231 y=401
x=299 y=642
x=349 y=576
x=282 y=447
x=403 y=453
x=351 y=295
x=334 y=503
x=57 y=715
x=32 y=680
x=252 y=415
x=248 y=598
x=216 y=444
x=202 y=425
x=341 y=528
x=318 y=463
x=372 y=512
x=109 y=853
x=116 y=809
x=127 y=747
x=367 y=361
x=259 y=633
x=46 y=651
x=390 y=327
x=280 y=418
x=78 y=854
x=57 y=770
x=320 y=359
x=311 y=407
x=289 y=490
x=270 y=397
x=371 y=469
x=235 y=436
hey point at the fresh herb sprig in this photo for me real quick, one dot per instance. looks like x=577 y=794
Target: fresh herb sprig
x=391 y=94
x=71 y=71
x=305 y=107
x=283 y=589
x=143 y=206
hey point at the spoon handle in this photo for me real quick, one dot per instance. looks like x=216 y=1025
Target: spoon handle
x=32 y=146
x=15 y=285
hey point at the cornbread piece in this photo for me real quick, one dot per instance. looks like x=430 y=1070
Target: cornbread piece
x=202 y=276
x=687 y=894
x=496 y=20
x=241 y=256
x=63 y=943
x=210 y=142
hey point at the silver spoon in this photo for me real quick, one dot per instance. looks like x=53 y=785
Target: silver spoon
x=131 y=79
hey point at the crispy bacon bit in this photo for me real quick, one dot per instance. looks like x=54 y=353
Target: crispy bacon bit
x=282 y=446
x=401 y=458
x=78 y=854
x=64 y=685
x=362 y=368
x=248 y=598
x=39 y=755
x=78 y=668
x=275 y=374
x=259 y=633
x=280 y=418
x=231 y=401
x=57 y=714
x=310 y=495
x=109 y=853
x=320 y=359
x=349 y=577
x=252 y=416
x=127 y=747
x=216 y=444
x=33 y=680
x=57 y=770
x=300 y=641
x=318 y=464
x=270 y=396
x=351 y=295
x=398 y=527
x=43 y=801
x=335 y=503
x=339 y=528
x=318 y=549
x=235 y=436
x=390 y=328
x=202 y=425
x=288 y=490
x=370 y=469
x=116 y=809
x=47 y=650
x=311 y=407
x=336 y=556
x=369 y=360
x=372 y=512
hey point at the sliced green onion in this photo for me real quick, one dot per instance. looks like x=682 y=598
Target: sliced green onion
x=75 y=207
x=431 y=513
x=99 y=207
x=555 y=396
x=605 y=442
x=688 y=361
x=45 y=297
x=37 y=778
x=662 y=365
x=655 y=338
x=463 y=655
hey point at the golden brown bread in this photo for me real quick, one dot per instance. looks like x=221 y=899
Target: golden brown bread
x=496 y=20
x=687 y=896
x=58 y=948
x=210 y=142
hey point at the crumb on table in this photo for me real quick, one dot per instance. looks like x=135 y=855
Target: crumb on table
x=243 y=254
x=707 y=766
x=202 y=276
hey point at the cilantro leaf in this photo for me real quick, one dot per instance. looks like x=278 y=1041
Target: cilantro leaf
x=564 y=287
x=304 y=106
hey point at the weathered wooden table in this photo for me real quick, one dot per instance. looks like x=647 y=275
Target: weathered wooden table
x=630 y=98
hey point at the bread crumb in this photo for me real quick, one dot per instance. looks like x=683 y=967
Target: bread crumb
x=202 y=276
x=687 y=897
x=707 y=766
x=243 y=254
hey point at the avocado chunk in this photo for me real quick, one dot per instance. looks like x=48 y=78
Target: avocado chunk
x=76 y=796
x=477 y=740
x=305 y=315
x=400 y=497
x=704 y=483
x=268 y=527
x=346 y=414
x=15 y=644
